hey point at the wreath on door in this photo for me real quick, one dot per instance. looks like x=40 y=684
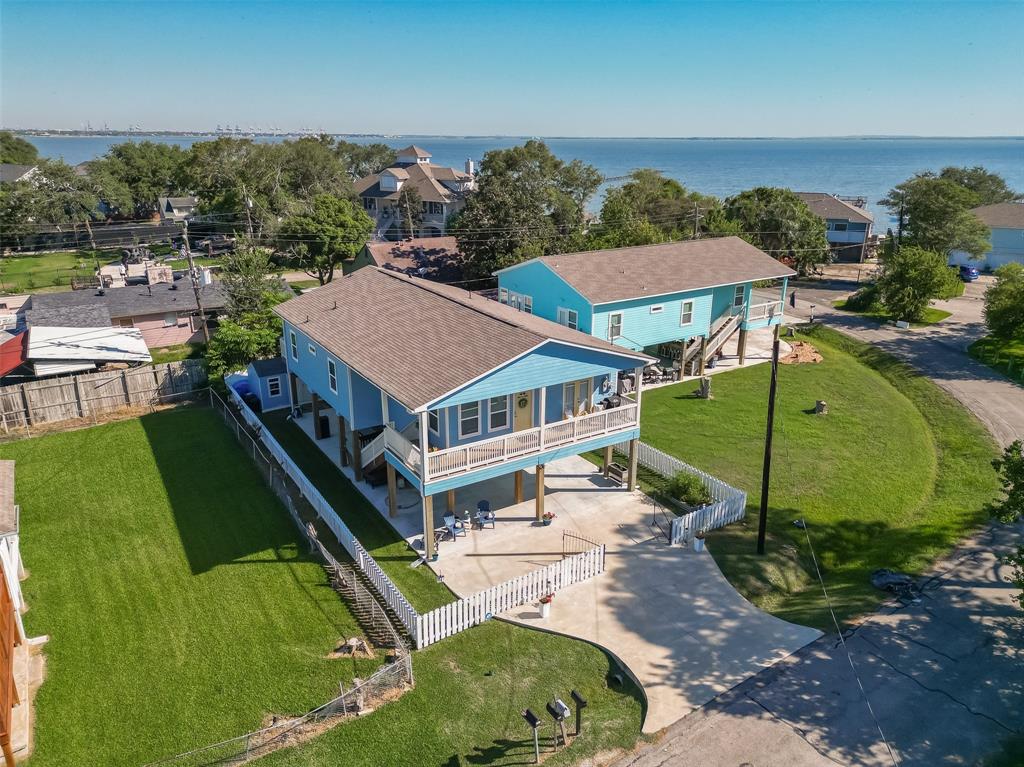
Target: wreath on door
x=522 y=402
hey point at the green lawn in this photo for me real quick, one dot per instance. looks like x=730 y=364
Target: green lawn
x=28 y=273
x=892 y=477
x=178 y=352
x=931 y=314
x=299 y=285
x=1005 y=356
x=180 y=604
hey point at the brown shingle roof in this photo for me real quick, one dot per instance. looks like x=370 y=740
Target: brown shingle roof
x=413 y=149
x=8 y=512
x=399 y=254
x=827 y=206
x=424 y=178
x=420 y=340
x=1002 y=215
x=619 y=274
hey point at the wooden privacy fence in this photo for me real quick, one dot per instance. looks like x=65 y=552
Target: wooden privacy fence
x=728 y=503
x=473 y=610
x=387 y=590
x=90 y=395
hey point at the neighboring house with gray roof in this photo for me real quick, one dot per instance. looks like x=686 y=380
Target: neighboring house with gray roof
x=177 y=208
x=847 y=227
x=1005 y=221
x=680 y=301
x=447 y=388
x=443 y=191
x=433 y=258
x=165 y=313
x=11 y=172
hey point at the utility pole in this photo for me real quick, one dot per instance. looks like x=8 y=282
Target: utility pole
x=195 y=281
x=899 y=235
x=696 y=218
x=762 y=524
x=248 y=210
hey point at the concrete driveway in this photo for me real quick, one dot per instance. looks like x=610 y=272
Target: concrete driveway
x=667 y=613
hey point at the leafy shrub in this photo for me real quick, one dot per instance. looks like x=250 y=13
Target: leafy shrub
x=955 y=287
x=689 y=489
x=864 y=300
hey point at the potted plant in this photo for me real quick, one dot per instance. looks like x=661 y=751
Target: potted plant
x=545 y=605
x=687 y=492
x=547 y=517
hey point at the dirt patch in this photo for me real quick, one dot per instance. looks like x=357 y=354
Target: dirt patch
x=357 y=647
x=801 y=353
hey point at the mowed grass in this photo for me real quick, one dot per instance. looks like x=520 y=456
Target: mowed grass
x=1006 y=356
x=892 y=477
x=470 y=688
x=930 y=316
x=25 y=273
x=180 y=604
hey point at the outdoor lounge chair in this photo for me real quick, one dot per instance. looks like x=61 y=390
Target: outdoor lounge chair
x=484 y=515
x=456 y=527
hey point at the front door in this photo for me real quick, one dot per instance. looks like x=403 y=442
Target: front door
x=523 y=410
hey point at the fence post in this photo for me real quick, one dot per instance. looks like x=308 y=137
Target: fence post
x=28 y=406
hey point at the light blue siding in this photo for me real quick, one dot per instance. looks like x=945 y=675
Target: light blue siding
x=365 y=403
x=552 y=363
x=548 y=291
x=1007 y=248
x=312 y=369
x=261 y=387
x=402 y=469
x=641 y=328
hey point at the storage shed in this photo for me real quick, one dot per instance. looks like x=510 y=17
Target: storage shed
x=268 y=380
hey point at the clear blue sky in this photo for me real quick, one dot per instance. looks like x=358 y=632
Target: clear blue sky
x=484 y=68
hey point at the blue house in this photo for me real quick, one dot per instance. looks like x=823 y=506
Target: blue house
x=678 y=301
x=1005 y=220
x=446 y=388
x=847 y=227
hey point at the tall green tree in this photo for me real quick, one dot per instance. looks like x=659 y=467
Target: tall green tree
x=331 y=230
x=363 y=159
x=1010 y=508
x=241 y=339
x=527 y=203
x=16 y=150
x=989 y=187
x=410 y=211
x=937 y=215
x=910 y=278
x=1004 y=303
x=781 y=224
x=247 y=280
x=146 y=169
x=312 y=166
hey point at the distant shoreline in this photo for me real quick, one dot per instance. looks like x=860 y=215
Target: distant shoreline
x=207 y=134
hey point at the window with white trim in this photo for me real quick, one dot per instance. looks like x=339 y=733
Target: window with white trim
x=274 y=386
x=739 y=296
x=332 y=376
x=312 y=350
x=528 y=304
x=657 y=309
x=686 y=315
x=171 y=320
x=568 y=317
x=497 y=410
x=293 y=342
x=614 y=326
x=503 y=295
x=469 y=419
x=434 y=421
x=839 y=226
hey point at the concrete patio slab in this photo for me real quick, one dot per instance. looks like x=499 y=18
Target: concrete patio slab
x=667 y=613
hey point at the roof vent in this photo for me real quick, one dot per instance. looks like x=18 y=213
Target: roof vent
x=335 y=305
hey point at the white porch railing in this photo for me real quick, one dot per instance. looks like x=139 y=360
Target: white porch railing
x=373 y=450
x=406 y=451
x=475 y=609
x=765 y=311
x=728 y=503
x=458 y=460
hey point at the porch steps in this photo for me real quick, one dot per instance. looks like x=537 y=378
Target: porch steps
x=721 y=331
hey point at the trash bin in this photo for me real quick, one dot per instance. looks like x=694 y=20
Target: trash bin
x=698 y=542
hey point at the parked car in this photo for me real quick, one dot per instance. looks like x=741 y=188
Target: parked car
x=968 y=273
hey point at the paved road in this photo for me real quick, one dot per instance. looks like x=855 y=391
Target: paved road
x=945 y=677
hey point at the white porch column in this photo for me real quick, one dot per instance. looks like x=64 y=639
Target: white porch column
x=384 y=407
x=638 y=374
x=543 y=409
x=424 y=446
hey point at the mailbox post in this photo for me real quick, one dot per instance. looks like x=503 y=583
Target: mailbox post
x=534 y=721
x=581 y=704
x=559 y=711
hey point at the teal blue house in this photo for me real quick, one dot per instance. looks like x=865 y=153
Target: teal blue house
x=446 y=388
x=847 y=226
x=679 y=302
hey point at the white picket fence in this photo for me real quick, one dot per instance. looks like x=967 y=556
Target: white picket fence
x=387 y=590
x=473 y=610
x=729 y=504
